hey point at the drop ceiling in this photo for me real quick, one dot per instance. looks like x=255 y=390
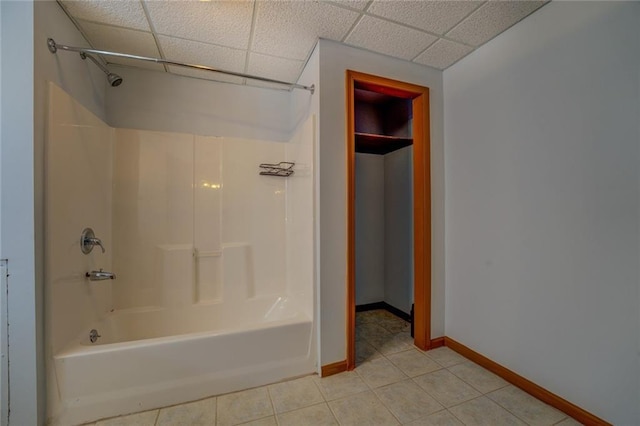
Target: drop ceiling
x=274 y=39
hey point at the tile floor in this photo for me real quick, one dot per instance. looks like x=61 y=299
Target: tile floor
x=393 y=383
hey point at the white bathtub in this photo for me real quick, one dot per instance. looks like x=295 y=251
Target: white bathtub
x=149 y=358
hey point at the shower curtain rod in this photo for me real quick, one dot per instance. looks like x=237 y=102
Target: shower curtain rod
x=53 y=48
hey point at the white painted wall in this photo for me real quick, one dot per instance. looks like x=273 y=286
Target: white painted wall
x=370 y=227
x=335 y=59
x=17 y=244
x=1 y=60
x=153 y=100
x=542 y=209
x=4 y=344
x=398 y=228
x=384 y=228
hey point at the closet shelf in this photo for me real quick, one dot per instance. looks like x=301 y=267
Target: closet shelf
x=383 y=137
x=370 y=143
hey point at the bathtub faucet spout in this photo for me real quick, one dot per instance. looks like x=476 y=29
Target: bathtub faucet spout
x=100 y=275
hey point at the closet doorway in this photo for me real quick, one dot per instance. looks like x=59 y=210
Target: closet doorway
x=388 y=250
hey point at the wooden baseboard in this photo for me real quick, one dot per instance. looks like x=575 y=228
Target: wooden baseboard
x=335 y=368
x=387 y=307
x=526 y=385
x=370 y=306
x=438 y=342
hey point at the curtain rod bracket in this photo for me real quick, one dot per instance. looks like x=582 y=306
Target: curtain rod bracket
x=51 y=44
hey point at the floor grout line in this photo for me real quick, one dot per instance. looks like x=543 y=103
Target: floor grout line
x=273 y=405
x=215 y=418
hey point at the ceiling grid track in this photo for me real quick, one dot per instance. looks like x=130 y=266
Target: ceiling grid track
x=251 y=35
x=79 y=28
x=356 y=22
x=464 y=18
x=154 y=34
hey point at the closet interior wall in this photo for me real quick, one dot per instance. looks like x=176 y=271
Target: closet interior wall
x=384 y=200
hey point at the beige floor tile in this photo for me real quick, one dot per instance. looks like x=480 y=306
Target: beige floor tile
x=481 y=379
x=265 y=421
x=407 y=401
x=340 y=385
x=569 y=422
x=371 y=330
x=482 y=411
x=441 y=418
x=445 y=357
x=367 y=316
x=379 y=372
x=201 y=413
x=148 y=418
x=362 y=409
x=394 y=325
x=386 y=314
x=526 y=407
x=295 y=394
x=404 y=338
x=316 y=415
x=365 y=352
x=413 y=362
x=446 y=388
x=376 y=314
x=245 y=406
x=391 y=343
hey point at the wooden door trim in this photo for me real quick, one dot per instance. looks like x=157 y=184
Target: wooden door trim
x=421 y=201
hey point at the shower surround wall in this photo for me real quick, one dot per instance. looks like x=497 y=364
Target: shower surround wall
x=78 y=194
x=212 y=261
x=169 y=207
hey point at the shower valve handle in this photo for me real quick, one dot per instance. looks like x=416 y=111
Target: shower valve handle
x=94 y=242
x=88 y=241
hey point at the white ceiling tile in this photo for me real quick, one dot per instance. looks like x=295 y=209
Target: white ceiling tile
x=197 y=53
x=226 y=23
x=443 y=53
x=127 y=13
x=264 y=85
x=273 y=67
x=205 y=75
x=434 y=16
x=354 y=4
x=290 y=28
x=122 y=40
x=193 y=52
x=491 y=19
x=389 y=38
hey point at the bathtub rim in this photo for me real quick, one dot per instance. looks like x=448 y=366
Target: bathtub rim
x=77 y=348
